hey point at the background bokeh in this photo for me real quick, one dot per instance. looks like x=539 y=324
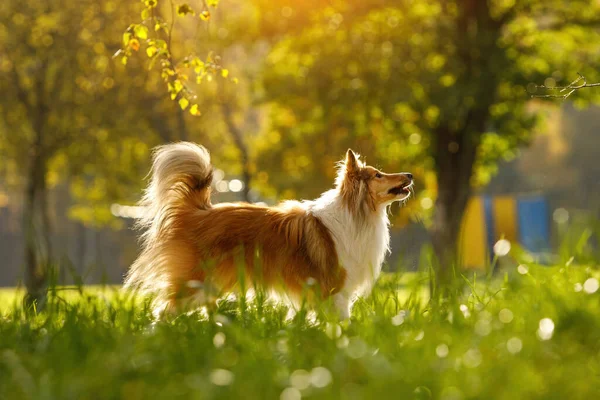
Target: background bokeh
x=442 y=89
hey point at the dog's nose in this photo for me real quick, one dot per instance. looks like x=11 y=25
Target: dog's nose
x=408 y=175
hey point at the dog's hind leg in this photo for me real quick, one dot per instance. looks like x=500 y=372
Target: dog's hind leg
x=194 y=299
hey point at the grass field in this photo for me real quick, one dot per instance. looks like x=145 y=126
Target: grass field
x=529 y=333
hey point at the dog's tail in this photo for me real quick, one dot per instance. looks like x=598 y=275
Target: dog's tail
x=180 y=177
x=180 y=182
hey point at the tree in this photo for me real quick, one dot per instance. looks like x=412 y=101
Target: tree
x=69 y=112
x=438 y=86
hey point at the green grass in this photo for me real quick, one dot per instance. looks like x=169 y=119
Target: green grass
x=484 y=343
x=11 y=298
x=8 y=298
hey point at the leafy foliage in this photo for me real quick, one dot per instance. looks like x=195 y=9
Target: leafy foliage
x=89 y=120
x=397 y=80
x=154 y=34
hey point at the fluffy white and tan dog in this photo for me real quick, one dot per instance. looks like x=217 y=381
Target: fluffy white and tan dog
x=337 y=242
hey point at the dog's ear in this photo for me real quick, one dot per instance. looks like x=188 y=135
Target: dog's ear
x=351 y=162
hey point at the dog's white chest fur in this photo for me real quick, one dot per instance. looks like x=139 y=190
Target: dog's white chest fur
x=361 y=246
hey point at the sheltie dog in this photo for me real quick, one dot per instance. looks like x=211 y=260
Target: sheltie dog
x=334 y=245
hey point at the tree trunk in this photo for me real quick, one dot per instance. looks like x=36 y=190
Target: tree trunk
x=456 y=148
x=455 y=155
x=36 y=230
x=238 y=139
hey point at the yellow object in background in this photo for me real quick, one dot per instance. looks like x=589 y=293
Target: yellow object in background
x=488 y=219
x=505 y=219
x=473 y=237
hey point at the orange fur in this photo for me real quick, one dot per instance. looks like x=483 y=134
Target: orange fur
x=268 y=247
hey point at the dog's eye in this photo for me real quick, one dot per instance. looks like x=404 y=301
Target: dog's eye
x=378 y=175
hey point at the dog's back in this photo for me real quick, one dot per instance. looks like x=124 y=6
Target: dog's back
x=226 y=246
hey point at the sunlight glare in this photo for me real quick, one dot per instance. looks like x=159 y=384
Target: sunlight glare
x=546 y=329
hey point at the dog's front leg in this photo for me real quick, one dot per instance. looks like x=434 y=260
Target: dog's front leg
x=342 y=304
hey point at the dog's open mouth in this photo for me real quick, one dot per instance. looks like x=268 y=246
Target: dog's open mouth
x=400 y=189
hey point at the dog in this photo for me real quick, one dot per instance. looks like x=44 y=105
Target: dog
x=334 y=245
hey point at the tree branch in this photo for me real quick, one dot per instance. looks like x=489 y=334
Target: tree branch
x=238 y=139
x=16 y=79
x=564 y=91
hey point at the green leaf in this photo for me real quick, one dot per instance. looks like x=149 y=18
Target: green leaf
x=184 y=103
x=198 y=65
x=166 y=73
x=151 y=51
x=195 y=110
x=126 y=38
x=178 y=86
x=141 y=31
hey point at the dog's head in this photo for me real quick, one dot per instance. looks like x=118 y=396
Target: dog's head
x=365 y=187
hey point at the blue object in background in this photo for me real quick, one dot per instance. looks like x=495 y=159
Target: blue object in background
x=534 y=229
x=518 y=219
